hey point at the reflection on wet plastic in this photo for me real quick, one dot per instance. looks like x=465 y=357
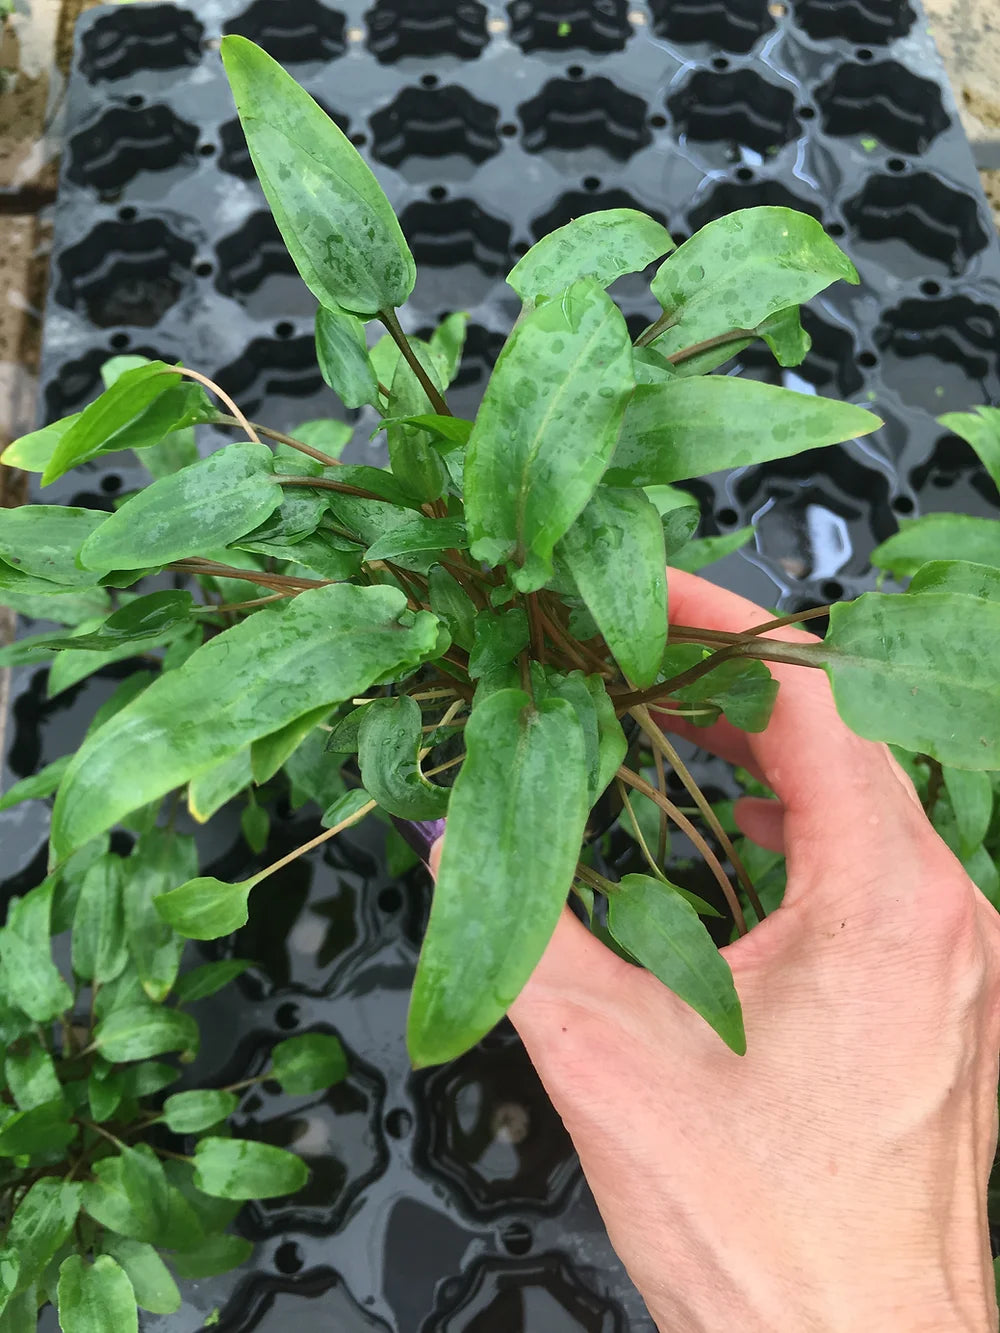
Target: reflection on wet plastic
x=527 y=1297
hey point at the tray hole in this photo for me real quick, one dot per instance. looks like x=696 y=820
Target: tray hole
x=509 y=129
x=720 y=63
x=125 y=274
x=806 y=113
x=591 y=183
x=923 y=213
x=287 y=1016
x=435 y=124
x=303 y=32
x=594 y=25
x=143 y=37
x=575 y=72
x=727 y=518
x=885 y=100
x=359 y=140
x=867 y=359
x=862 y=21
x=744 y=174
x=398 y=1123
x=896 y=164
x=658 y=122
x=733 y=25
x=930 y=288
x=429 y=81
x=207 y=150
x=135 y=101
x=831 y=590
x=739 y=108
x=835 y=229
x=517 y=1239
x=128 y=213
x=119 y=342
x=114 y=149
x=288 y=1258
x=863 y=53
x=284 y=329
x=398 y=29
x=111 y=484
x=593 y=113
x=205 y=269
x=903 y=504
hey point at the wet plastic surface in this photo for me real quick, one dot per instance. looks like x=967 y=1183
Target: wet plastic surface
x=450 y=1201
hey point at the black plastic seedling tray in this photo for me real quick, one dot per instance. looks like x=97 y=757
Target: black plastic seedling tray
x=451 y=1201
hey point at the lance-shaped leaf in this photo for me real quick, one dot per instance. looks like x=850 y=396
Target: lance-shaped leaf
x=447 y=342
x=919 y=672
x=522 y=794
x=43 y=541
x=155 y=1290
x=651 y=919
x=343 y=359
x=209 y=791
x=37 y=786
x=744 y=690
x=616 y=555
x=160 y=860
x=31 y=1074
x=416 y=464
x=740 y=269
x=601 y=245
x=29 y=975
x=446 y=433
x=211 y=503
x=689 y=427
x=546 y=429
x=390 y=738
x=41 y=1223
x=452 y=605
x=33 y=451
x=138 y=410
x=269 y=753
x=339 y=228
x=99 y=950
x=704 y=551
x=203 y=981
x=419 y=534
x=605 y=744
x=95 y=1298
x=191 y=1112
x=137 y=1032
x=981 y=429
x=241 y=1169
x=42 y=1129
x=308 y=1063
x=327 y=645
x=957 y=536
x=146 y=620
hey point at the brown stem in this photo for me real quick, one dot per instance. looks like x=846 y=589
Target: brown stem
x=281 y=438
x=685 y=825
x=238 y=419
x=666 y=321
x=720 y=340
x=535 y=628
x=249 y=606
x=388 y=318
x=563 y=641
x=325 y=484
x=661 y=782
x=663 y=746
x=643 y=845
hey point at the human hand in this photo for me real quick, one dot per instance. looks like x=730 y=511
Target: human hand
x=834 y=1178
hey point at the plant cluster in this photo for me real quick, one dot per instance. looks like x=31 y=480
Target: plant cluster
x=479 y=632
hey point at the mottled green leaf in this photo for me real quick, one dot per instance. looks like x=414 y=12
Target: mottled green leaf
x=209 y=791
x=706 y=550
x=242 y=1169
x=155 y=1290
x=142 y=1031
x=345 y=807
x=419 y=534
x=339 y=228
x=309 y=1063
x=326 y=645
x=742 y=268
x=416 y=464
x=342 y=354
x=211 y=503
x=191 y=1112
x=447 y=433
x=104 y=1091
x=203 y=981
x=955 y=576
x=99 y=948
x=31 y=1074
x=933 y=536
x=661 y=929
x=214 y=1255
x=95 y=1298
x=452 y=605
x=919 y=672
x=447 y=342
x=30 y=977
x=41 y=1223
x=615 y=552
x=206 y=908
x=255 y=824
x=43 y=541
x=522 y=792
x=44 y=1129
x=389 y=740
x=160 y=860
x=690 y=427
x=498 y=637
x=328 y=435
x=546 y=429
x=602 y=245
x=743 y=689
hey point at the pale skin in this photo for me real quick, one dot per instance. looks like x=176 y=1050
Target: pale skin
x=834 y=1178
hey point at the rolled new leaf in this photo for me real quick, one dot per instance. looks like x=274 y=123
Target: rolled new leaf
x=343 y=359
x=339 y=227
x=389 y=740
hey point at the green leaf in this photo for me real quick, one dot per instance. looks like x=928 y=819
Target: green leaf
x=389 y=741
x=44 y=1129
x=661 y=929
x=690 y=427
x=159 y=861
x=452 y=605
x=129 y=1194
x=322 y=557
x=191 y=1112
x=616 y=555
x=151 y=1076
x=955 y=576
x=919 y=540
x=337 y=224
x=787 y=339
x=497 y=639
x=328 y=435
x=137 y=411
x=298 y=516
x=447 y=342
x=744 y=690
x=971 y=796
x=447 y=433
x=980 y=428
x=415 y=462
x=418 y=534
x=144 y=621
x=313 y=773
x=605 y=745
x=522 y=792
x=982 y=869
x=38 y=786
x=155 y=1290
x=242 y=1169
x=32 y=452
x=99 y=948
x=209 y=791
x=740 y=269
x=43 y=541
x=29 y=976
x=41 y=1223
x=255 y=824
x=203 y=981
x=342 y=354
x=345 y=807
x=546 y=429
x=95 y=1298
x=104 y=1091
x=327 y=645
x=346 y=734
x=142 y=1031
x=31 y=1074
x=602 y=245
x=177 y=450
x=706 y=550
x=206 y=908
x=65 y=608
x=21 y=1313
x=211 y=503
x=919 y=672
x=311 y=1062
x=214 y=1255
